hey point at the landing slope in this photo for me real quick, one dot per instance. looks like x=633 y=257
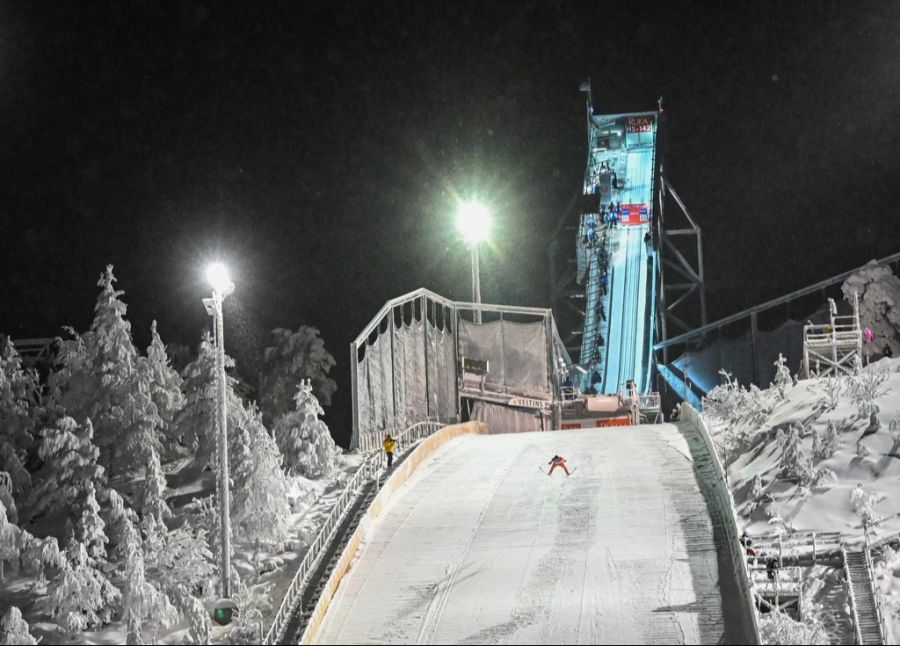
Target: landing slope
x=481 y=547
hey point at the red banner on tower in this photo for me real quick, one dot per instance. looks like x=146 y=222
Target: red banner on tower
x=634 y=214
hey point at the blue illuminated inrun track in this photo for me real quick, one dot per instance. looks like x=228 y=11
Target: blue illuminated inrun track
x=617 y=264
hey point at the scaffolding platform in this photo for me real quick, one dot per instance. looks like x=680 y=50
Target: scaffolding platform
x=834 y=347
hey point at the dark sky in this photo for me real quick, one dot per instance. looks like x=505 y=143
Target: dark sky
x=318 y=148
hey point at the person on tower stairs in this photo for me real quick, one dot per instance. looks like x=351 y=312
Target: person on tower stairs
x=557 y=461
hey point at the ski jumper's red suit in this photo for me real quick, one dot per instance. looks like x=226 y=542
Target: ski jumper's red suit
x=557 y=461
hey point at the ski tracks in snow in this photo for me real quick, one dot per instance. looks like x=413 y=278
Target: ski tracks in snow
x=436 y=607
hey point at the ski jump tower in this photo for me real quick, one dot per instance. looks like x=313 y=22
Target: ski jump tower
x=633 y=276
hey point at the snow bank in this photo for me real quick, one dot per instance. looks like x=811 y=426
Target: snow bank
x=821 y=458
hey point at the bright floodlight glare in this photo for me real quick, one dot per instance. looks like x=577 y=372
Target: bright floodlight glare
x=473 y=221
x=217 y=275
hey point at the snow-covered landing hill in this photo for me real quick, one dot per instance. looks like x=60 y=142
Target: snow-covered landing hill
x=481 y=547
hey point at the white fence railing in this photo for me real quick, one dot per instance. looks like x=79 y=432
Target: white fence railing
x=799 y=544
x=723 y=496
x=369 y=469
x=781 y=582
x=416 y=432
x=372 y=442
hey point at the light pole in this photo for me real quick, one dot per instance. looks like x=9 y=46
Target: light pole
x=217 y=275
x=473 y=221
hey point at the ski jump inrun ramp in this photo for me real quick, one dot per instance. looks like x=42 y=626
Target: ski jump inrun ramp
x=481 y=547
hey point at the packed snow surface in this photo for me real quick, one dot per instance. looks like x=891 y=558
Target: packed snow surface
x=480 y=546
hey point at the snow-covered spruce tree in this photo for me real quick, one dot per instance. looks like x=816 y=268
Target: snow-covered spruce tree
x=95 y=380
x=154 y=535
x=165 y=389
x=304 y=439
x=292 y=358
x=794 y=461
x=817 y=444
x=39 y=554
x=150 y=491
x=117 y=517
x=9 y=541
x=776 y=518
x=19 y=390
x=195 y=424
x=239 y=439
x=204 y=513
x=200 y=631
x=15 y=629
x=866 y=385
x=70 y=463
x=142 y=601
x=879 y=303
x=758 y=406
x=81 y=595
x=252 y=600
x=782 y=376
x=825 y=442
x=757 y=491
x=261 y=507
x=89 y=530
x=725 y=400
x=184 y=567
x=825 y=477
x=13 y=463
x=70 y=386
x=6 y=497
x=101 y=377
x=863 y=503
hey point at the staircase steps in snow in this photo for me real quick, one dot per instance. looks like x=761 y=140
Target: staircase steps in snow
x=863 y=595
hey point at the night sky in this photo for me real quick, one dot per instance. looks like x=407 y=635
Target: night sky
x=319 y=148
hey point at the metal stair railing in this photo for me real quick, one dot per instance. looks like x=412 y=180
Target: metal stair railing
x=369 y=468
x=876 y=592
x=854 y=616
x=371 y=442
x=418 y=431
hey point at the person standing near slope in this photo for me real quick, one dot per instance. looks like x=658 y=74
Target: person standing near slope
x=557 y=461
x=389 y=445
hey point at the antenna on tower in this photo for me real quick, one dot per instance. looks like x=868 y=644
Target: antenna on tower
x=586 y=87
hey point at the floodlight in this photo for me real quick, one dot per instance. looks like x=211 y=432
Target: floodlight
x=217 y=276
x=473 y=221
